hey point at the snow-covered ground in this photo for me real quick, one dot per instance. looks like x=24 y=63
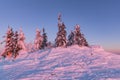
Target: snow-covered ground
x=72 y=63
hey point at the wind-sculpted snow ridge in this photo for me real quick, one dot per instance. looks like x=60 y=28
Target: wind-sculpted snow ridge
x=71 y=63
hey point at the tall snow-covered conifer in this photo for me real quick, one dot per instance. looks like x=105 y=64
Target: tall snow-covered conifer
x=38 y=40
x=44 y=43
x=17 y=47
x=61 y=35
x=9 y=43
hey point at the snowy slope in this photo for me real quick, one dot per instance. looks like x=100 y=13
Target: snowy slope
x=72 y=63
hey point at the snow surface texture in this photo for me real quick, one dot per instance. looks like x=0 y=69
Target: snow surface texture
x=72 y=63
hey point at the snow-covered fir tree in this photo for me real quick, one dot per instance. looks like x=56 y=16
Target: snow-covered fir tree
x=17 y=47
x=61 y=35
x=70 y=39
x=79 y=37
x=22 y=40
x=38 y=40
x=9 y=43
x=44 y=42
x=83 y=41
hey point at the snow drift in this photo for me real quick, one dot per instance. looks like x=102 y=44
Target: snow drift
x=72 y=63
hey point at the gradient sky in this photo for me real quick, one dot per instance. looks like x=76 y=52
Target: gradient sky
x=99 y=19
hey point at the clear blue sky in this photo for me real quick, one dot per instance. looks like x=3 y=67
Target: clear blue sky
x=99 y=19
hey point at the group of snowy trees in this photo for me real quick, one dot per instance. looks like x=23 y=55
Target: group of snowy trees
x=40 y=41
x=15 y=41
x=75 y=37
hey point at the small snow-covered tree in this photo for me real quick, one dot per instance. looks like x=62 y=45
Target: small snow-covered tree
x=61 y=35
x=77 y=35
x=70 y=39
x=44 y=42
x=38 y=40
x=9 y=44
x=83 y=41
x=22 y=39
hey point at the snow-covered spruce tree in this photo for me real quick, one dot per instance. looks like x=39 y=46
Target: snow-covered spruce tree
x=17 y=47
x=70 y=39
x=21 y=41
x=79 y=37
x=9 y=43
x=38 y=40
x=61 y=35
x=44 y=42
x=83 y=41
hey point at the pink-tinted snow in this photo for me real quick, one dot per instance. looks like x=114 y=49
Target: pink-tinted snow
x=71 y=63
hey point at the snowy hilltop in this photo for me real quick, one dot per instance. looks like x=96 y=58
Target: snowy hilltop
x=67 y=58
x=71 y=63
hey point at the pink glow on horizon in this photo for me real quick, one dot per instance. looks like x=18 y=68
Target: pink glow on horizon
x=114 y=50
